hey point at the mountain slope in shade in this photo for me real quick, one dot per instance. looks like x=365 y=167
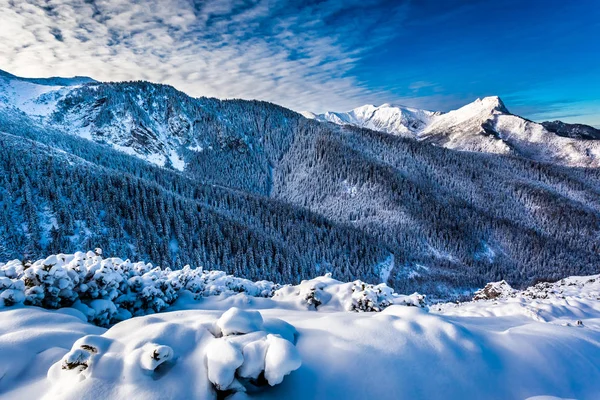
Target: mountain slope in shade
x=485 y=125
x=575 y=131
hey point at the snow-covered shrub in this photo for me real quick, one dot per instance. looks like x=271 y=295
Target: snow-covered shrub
x=207 y=356
x=107 y=290
x=111 y=289
x=313 y=295
x=325 y=293
x=366 y=297
x=246 y=355
x=77 y=359
x=238 y=322
x=154 y=355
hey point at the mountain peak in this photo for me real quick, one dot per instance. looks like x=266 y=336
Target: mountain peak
x=493 y=103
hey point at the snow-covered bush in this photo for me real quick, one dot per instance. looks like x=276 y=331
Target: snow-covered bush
x=110 y=289
x=246 y=356
x=325 y=293
x=107 y=290
x=367 y=297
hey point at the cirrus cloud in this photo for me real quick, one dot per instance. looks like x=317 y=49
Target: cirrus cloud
x=295 y=53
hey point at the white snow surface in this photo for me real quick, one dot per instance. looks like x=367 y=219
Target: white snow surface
x=303 y=343
x=31 y=98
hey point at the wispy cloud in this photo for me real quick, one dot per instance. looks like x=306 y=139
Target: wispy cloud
x=296 y=53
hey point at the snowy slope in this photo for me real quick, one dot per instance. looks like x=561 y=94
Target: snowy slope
x=484 y=125
x=544 y=341
x=151 y=121
x=35 y=97
x=45 y=101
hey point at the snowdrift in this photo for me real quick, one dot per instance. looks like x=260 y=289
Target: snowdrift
x=225 y=337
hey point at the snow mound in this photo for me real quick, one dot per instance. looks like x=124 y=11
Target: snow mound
x=565 y=302
x=175 y=356
x=235 y=321
x=223 y=359
x=281 y=359
x=543 y=341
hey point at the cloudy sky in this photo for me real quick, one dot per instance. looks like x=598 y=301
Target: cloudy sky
x=541 y=57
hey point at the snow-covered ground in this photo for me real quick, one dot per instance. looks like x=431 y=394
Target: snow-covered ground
x=222 y=336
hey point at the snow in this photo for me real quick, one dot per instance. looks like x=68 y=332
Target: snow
x=281 y=359
x=235 y=321
x=176 y=160
x=31 y=98
x=223 y=358
x=300 y=342
x=107 y=290
x=386 y=267
x=39 y=98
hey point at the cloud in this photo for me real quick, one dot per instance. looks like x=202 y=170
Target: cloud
x=300 y=54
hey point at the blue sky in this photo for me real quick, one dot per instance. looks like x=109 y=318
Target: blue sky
x=541 y=57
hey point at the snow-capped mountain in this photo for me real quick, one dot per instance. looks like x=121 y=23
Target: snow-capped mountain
x=83 y=107
x=36 y=96
x=153 y=122
x=484 y=125
x=389 y=118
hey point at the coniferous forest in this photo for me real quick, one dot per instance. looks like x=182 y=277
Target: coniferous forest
x=267 y=194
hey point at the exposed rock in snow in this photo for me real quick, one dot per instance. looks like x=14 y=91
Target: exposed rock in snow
x=494 y=290
x=574 y=131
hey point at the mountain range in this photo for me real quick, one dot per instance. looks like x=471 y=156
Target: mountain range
x=485 y=125
x=436 y=202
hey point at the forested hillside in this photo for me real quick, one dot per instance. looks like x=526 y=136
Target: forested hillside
x=262 y=192
x=52 y=200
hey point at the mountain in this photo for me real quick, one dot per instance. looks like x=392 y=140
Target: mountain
x=53 y=81
x=575 y=131
x=398 y=120
x=485 y=125
x=143 y=170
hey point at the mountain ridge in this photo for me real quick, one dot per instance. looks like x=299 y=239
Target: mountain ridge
x=485 y=125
